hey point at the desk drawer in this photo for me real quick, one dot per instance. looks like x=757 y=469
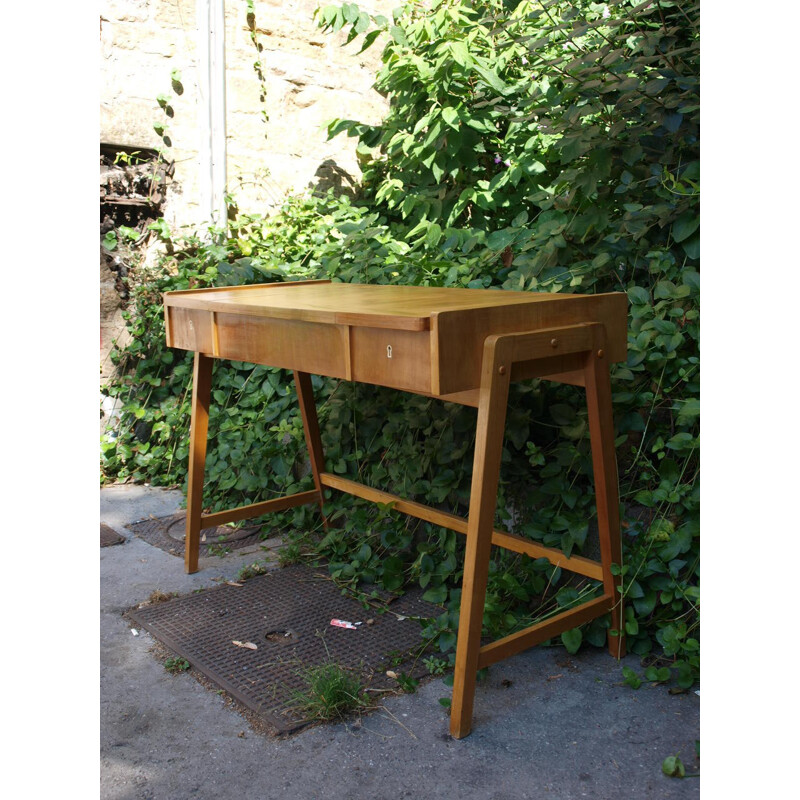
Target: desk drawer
x=190 y=329
x=395 y=358
x=313 y=347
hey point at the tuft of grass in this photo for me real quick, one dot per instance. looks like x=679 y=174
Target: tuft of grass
x=157 y=596
x=251 y=570
x=331 y=693
x=289 y=554
x=176 y=665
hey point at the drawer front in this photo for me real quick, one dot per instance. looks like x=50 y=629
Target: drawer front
x=394 y=358
x=313 y=347
x=189 y=329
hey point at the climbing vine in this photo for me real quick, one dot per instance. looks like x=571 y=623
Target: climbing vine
x=258 y=67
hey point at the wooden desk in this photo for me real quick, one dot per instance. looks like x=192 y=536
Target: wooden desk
x=460 y=345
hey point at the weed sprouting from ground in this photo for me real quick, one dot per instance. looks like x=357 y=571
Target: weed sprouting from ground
x=331 y=693
x=251 y=570
x=157 y=596
x=176 y=665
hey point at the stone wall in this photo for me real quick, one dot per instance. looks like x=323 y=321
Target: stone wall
x=308 y=79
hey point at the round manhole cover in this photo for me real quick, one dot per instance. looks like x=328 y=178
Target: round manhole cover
x=282 y=637
x=222 y=534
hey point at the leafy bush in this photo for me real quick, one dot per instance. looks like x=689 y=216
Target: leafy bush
x=565 y=136
x=547 y=146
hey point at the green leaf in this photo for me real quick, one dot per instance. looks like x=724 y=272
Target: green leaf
x=562 y=414
x=680 y=441
x=691 y=278
x=631 y=678
x=369 y=39
x=644 y=606
x=688 y=411
x=433 y=235
x=664 y=326
x=437 y=595
x=664 y=290
x=692 y=247
x=350 y=12
x=533 y=167
x=398 y=35
x=654 y=86
x=520 y=219
x=499 y=240
x=679 y=542
x=566 y=596
x=490 y=76
x=657 y=674
x=673 y=767
x=447 y=641
x=638 y=295
x=450 y=116
x=362 y=23
x=686 y=224
x=572 y=640
x=685 y=675
x=328 y=14
x=672 y=121
x=597 y=633
x=460 y=52
x=482 y=125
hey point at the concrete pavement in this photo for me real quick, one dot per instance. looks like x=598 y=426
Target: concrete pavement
x=546 y=724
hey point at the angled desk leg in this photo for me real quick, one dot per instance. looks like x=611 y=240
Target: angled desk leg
x=495 y=380
x=527 y=353
x=201 y=396
x=606 y=483
x=195 y=519
x=308 y=411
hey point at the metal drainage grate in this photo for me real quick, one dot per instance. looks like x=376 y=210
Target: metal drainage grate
x=109 y=536
x=169 y=533
x=287 y=614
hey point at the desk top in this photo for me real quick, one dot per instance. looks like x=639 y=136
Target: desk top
x=370 y=305
x=416 y=338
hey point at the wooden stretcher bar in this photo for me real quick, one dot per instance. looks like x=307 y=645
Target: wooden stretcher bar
x=508 y=541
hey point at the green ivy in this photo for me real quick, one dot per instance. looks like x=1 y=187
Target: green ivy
x=564 y=138
x=546 y=146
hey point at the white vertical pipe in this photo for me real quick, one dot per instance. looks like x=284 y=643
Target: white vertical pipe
x=204 y=110
x=212 y=110
x=219 y=154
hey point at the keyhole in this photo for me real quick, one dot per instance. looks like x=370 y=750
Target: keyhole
x=388 y=351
